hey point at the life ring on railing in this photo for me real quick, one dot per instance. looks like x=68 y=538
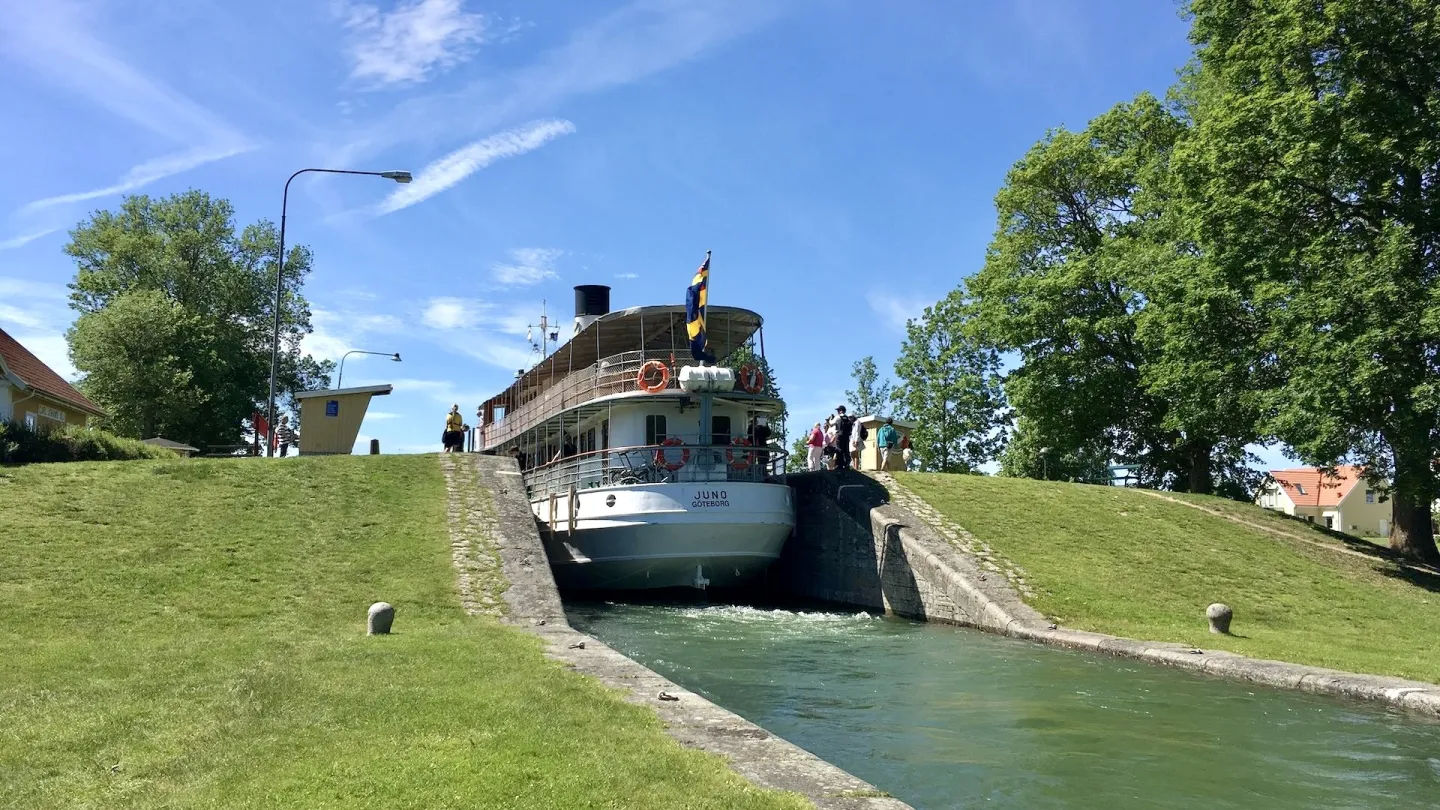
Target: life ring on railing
x=662 y=461
x=743 y=460
x=752 y=379
x=647 y=380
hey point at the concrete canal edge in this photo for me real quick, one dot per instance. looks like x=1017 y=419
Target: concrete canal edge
x=534 y=606
x=864 y=541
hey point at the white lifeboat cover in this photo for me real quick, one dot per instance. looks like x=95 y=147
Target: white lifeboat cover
x=707 y=379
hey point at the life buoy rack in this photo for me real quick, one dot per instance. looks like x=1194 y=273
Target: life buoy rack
x=752 y=379
x=653 y=377
x=661 y=460
x=743 y=459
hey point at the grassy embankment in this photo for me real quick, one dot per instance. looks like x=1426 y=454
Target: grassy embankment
x=1124 y=562
x=191 y=634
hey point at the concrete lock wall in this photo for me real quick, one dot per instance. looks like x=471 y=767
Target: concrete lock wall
x=852 y=547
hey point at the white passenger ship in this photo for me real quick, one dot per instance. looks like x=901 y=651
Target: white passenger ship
x=644 y=470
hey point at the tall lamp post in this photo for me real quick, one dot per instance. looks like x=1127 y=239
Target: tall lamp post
x=395 y=356
x=399 y=177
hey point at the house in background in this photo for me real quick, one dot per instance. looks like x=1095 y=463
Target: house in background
x=1343 y=502
x=31 y=392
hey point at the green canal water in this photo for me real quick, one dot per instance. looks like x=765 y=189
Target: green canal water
x=944 y=717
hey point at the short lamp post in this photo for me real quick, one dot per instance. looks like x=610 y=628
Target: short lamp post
x=397 y=176
x=1045 y=464
x=394 y=356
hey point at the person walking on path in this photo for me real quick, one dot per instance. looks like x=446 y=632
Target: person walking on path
x=286 y=435
x=844 y=428
x=454 y=436
x=816 y=448
x=888 y=439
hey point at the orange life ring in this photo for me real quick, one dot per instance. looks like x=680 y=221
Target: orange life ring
x=752 y=379
x=744 y=459
x=646 y=380
x=662 y=461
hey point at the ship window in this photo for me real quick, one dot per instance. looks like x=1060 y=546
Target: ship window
x=590 y=441
x=655 y=428
x=719 y=430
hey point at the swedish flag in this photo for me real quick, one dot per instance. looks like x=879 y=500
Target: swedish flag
x=695 y=298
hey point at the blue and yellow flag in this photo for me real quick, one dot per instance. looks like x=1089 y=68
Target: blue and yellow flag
x=695 y=299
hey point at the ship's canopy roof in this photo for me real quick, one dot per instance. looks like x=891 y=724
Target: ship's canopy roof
x=651 y=329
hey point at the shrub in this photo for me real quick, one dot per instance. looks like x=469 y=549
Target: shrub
x=21 y=444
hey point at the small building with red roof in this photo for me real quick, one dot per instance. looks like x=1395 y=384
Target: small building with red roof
x=31 y=392
x=1343 y=501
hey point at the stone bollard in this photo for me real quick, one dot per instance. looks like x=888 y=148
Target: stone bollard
x=1219 y=616
x=382 y=615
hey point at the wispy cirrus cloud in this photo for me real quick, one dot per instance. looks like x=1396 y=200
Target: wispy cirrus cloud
x=626 y=45
x=55 y=40
x=465 y=161
x=627 y=276
x=527 y=266
x=410 y=43
x=452 y=313
x=26 y=238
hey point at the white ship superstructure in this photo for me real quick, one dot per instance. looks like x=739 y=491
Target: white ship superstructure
x=645 y=471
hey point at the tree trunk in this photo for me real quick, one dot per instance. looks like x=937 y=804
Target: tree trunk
x=1412 y=533
x=1411 y=530
x=1201 y=480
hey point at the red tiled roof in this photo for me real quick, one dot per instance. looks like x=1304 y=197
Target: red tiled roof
x=1328 y=491
x=40 y=377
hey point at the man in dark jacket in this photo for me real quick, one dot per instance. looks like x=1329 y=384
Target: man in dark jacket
x=844 y=425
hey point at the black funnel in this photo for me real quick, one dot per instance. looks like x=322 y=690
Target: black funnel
x=592 y=299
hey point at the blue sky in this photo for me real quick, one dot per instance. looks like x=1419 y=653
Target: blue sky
x=839 y=157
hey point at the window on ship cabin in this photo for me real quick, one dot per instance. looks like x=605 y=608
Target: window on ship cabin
x=720 y=430
x=655 y=428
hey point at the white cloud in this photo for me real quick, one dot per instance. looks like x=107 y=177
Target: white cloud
x=20 y=317
x=442 y=392
x=627 y=276
x=626 y=45
x=11 y=288
x=336 y=333
x=54 y=39
x=895 y=311
x=527 y=266
x=381 y=415
x=413 y=41
x=504 y=355
x=26 y=238
x=453 y=313
x=142 y=175
x=467 y=160
x=52 y=350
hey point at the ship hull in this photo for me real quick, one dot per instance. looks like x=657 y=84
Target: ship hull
x=666 y=535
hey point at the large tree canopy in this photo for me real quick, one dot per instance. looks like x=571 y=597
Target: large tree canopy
x=1095 y=285
x=176 y=317
x=1315 y=166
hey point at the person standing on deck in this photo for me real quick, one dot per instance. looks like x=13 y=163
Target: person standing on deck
x=816 y=446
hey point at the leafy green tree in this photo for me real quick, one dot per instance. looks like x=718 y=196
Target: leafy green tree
x=210 y=291
x=132 y=351
x=1027 y=456
x=871 y=394
x=1091 y=282
x=1314 y=173
x=950 y=385
x=798 y=460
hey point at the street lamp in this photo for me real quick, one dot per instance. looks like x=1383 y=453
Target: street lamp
x=395 y=356
x=399 y=177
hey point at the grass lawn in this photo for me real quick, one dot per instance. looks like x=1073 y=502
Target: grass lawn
x=191 y=634
x=1119 y=561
